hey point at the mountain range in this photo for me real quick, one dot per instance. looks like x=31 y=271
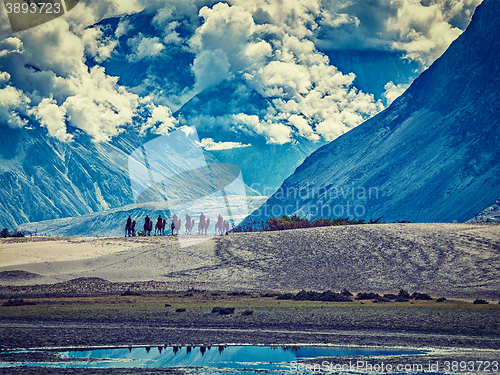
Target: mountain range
x=43 y=178
x=82 y=177
x=432 y=156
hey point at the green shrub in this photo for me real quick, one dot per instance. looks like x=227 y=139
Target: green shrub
x=223 y=310
x=17 y=302
x=295 y=222
x=421 y=296
x=5 y=233
x=480 y=302
x=369 y=295
x=326 y=296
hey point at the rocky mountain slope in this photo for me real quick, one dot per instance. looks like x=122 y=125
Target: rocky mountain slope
x=433 y=155
x=43 y=178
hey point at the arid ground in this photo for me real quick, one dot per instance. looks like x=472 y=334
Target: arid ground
x=77 y=285
x=452 y=260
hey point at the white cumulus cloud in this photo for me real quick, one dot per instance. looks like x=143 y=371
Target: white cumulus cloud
x=392 y=91
x=281 y=63
x=4 y=77
x=161 y=120
x=53 y=118
x=422 y=30
x=144 y=47
x=50 y=81
x=13 y=104
x=123 y=28
x=274 y=46
x=210 y=145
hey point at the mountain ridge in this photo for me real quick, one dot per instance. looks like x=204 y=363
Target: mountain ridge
x=432 y=155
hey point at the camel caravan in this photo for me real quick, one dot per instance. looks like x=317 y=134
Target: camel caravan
x=221 y=226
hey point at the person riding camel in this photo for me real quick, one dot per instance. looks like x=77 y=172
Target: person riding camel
x=128 y=226
x=202 y=218
x=147 y=225
x=173 y=226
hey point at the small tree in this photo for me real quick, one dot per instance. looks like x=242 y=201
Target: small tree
x=4 y=233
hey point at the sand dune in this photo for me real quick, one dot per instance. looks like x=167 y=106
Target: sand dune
x=452 y=260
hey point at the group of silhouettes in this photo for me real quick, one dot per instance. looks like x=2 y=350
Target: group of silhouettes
x=221 y=226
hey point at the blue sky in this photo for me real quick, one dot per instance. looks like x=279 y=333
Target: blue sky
x=59 y=75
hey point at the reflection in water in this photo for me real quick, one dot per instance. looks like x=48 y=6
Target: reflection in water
x=250 y=357
x=226 y=359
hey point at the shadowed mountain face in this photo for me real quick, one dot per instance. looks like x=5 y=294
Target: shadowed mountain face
x=43 y=178
x=433 y=155
x=374 y=69
x=85 y=185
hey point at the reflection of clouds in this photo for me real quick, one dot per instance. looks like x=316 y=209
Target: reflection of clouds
x=251 y=357
x=232 y=357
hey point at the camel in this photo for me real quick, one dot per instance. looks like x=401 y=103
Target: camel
x=160 y=226
x=130 y=229
x=189 y=224
x=203 y=226
x=219 y=226
x=176 y=224
x=148 y=227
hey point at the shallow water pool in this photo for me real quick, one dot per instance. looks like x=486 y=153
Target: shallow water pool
x=232 y=359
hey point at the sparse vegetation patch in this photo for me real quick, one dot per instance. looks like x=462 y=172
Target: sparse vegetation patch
x=223 y=310
x=18 y=302
x=295 y=222
x=480 y=302
x=326 y=296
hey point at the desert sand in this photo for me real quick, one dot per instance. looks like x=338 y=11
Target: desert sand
x=457 y=261
x=451 y=260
